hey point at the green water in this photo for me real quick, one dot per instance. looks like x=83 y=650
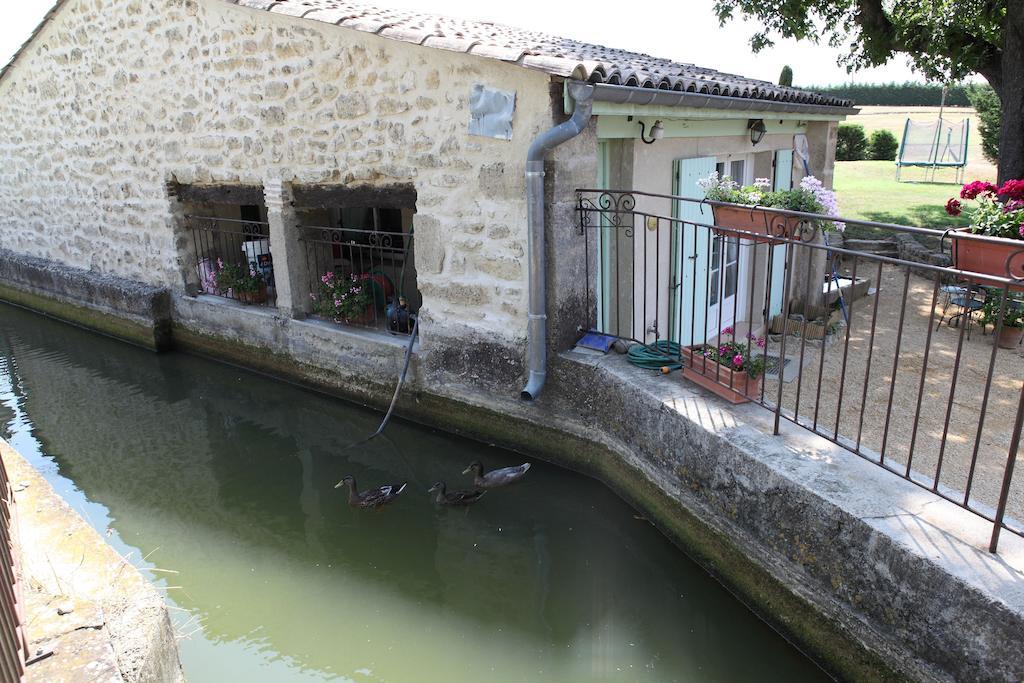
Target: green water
x=226 y=479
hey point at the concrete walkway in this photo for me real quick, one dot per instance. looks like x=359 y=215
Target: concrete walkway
x=101 y=619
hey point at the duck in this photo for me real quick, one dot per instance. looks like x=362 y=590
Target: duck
x=496 y=478
x=446 y=497
x=371 y=498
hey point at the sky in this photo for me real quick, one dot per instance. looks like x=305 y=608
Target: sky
x=687 y=32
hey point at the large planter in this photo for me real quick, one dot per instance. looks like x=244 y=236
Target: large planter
x=992 y=258
x=1009 y=337
x=365 y=318
x=767 y=225
x=735 y=387
x=256 y=297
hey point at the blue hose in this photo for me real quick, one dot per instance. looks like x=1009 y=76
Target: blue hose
x=662 y=355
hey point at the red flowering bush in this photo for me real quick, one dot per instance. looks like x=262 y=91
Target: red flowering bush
x=1011 y=190
x=977 y=188
x=1000 y=211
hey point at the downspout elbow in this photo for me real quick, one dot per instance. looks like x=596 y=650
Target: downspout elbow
x=536 y=351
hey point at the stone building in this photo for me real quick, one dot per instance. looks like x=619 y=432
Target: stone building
x=143 y=141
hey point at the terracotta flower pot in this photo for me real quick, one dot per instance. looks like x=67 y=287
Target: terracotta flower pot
x=993 y=258
x=750 y=219
x=257 y=297
x=1009 y=337
x=733 y=386
x=364 y=318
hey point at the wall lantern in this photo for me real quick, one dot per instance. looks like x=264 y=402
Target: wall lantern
x=757 y=130
x=657 y=131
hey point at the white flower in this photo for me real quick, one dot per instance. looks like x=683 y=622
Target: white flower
x=763 y=183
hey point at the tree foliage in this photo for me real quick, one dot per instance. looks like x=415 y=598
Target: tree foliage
x=946 y=40
x=990 y=118
x=786 y=77
x=882 y=146
x=852 y=143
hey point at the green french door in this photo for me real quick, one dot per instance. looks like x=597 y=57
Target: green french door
x=692 y=247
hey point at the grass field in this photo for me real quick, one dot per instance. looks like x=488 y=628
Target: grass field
x=868 y=189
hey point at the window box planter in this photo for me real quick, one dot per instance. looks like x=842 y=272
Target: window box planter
x=364 y=318
x=730 y=219
x=992 y=258
x=735 y=387
x=258 y=296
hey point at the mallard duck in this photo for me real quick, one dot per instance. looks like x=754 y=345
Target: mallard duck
x=496 y=478
x=371 y=498
x=446 y=497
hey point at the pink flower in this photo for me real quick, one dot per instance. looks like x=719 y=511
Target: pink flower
x=1011 y=189
x=953 y=207
x=737 y=360
x=1013 y=205
x=972 y=190
x=722 y=350
x=760 y=342
x=1021 y=231
x=728 y=330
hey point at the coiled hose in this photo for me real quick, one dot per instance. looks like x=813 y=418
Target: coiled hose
x=663 y=355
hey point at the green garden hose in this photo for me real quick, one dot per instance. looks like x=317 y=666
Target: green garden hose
x=663 y=355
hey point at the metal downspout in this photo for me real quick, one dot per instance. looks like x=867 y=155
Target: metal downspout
x=536 y=334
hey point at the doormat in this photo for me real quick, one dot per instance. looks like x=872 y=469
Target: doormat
x=790 y=369
x=596 y=341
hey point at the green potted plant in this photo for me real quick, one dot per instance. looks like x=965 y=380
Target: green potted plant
x=345 y=300
x=1012 y=329
x=731 y=369
x=999 y=213
x=241 y=281
x=748 y=208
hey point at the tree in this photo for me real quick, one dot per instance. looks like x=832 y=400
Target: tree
x=946 y=40
x=985 y=102
x=786 y=77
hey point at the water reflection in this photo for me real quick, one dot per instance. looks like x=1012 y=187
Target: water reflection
x=227 y=478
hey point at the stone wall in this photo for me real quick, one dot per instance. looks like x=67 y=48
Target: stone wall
x=114 y=99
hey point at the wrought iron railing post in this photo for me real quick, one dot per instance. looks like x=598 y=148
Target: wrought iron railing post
x=1011 y=460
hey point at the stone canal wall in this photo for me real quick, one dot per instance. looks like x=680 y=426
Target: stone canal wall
x=83 y=602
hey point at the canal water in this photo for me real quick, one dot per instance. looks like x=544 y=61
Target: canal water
x=226 y=478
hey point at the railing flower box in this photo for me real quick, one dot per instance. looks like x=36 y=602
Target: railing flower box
x=750 y=211
x=728 y=370
x=999 y=213
x=738 y=220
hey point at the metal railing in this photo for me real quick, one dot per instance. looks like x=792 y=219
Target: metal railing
x=233 y=258
x=364 y=278
x=13 y=642
x=874 y=353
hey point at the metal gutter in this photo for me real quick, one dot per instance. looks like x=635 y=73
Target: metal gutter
x=624 y=94
x=536 y=334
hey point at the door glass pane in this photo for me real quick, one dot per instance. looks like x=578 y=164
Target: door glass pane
x=720 y=167
x=732 y=266
x=736 y=170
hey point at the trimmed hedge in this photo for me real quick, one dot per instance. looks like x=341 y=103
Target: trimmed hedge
x=882 y=146
x=852 y=143
x=897 y=94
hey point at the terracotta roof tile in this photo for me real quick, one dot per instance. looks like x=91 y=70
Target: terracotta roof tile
x=535 y=50
x=530 y=49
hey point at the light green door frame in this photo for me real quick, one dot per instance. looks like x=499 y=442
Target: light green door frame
x=604 y=247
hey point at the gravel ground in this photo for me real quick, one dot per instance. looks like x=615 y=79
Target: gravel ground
x=967 y=395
